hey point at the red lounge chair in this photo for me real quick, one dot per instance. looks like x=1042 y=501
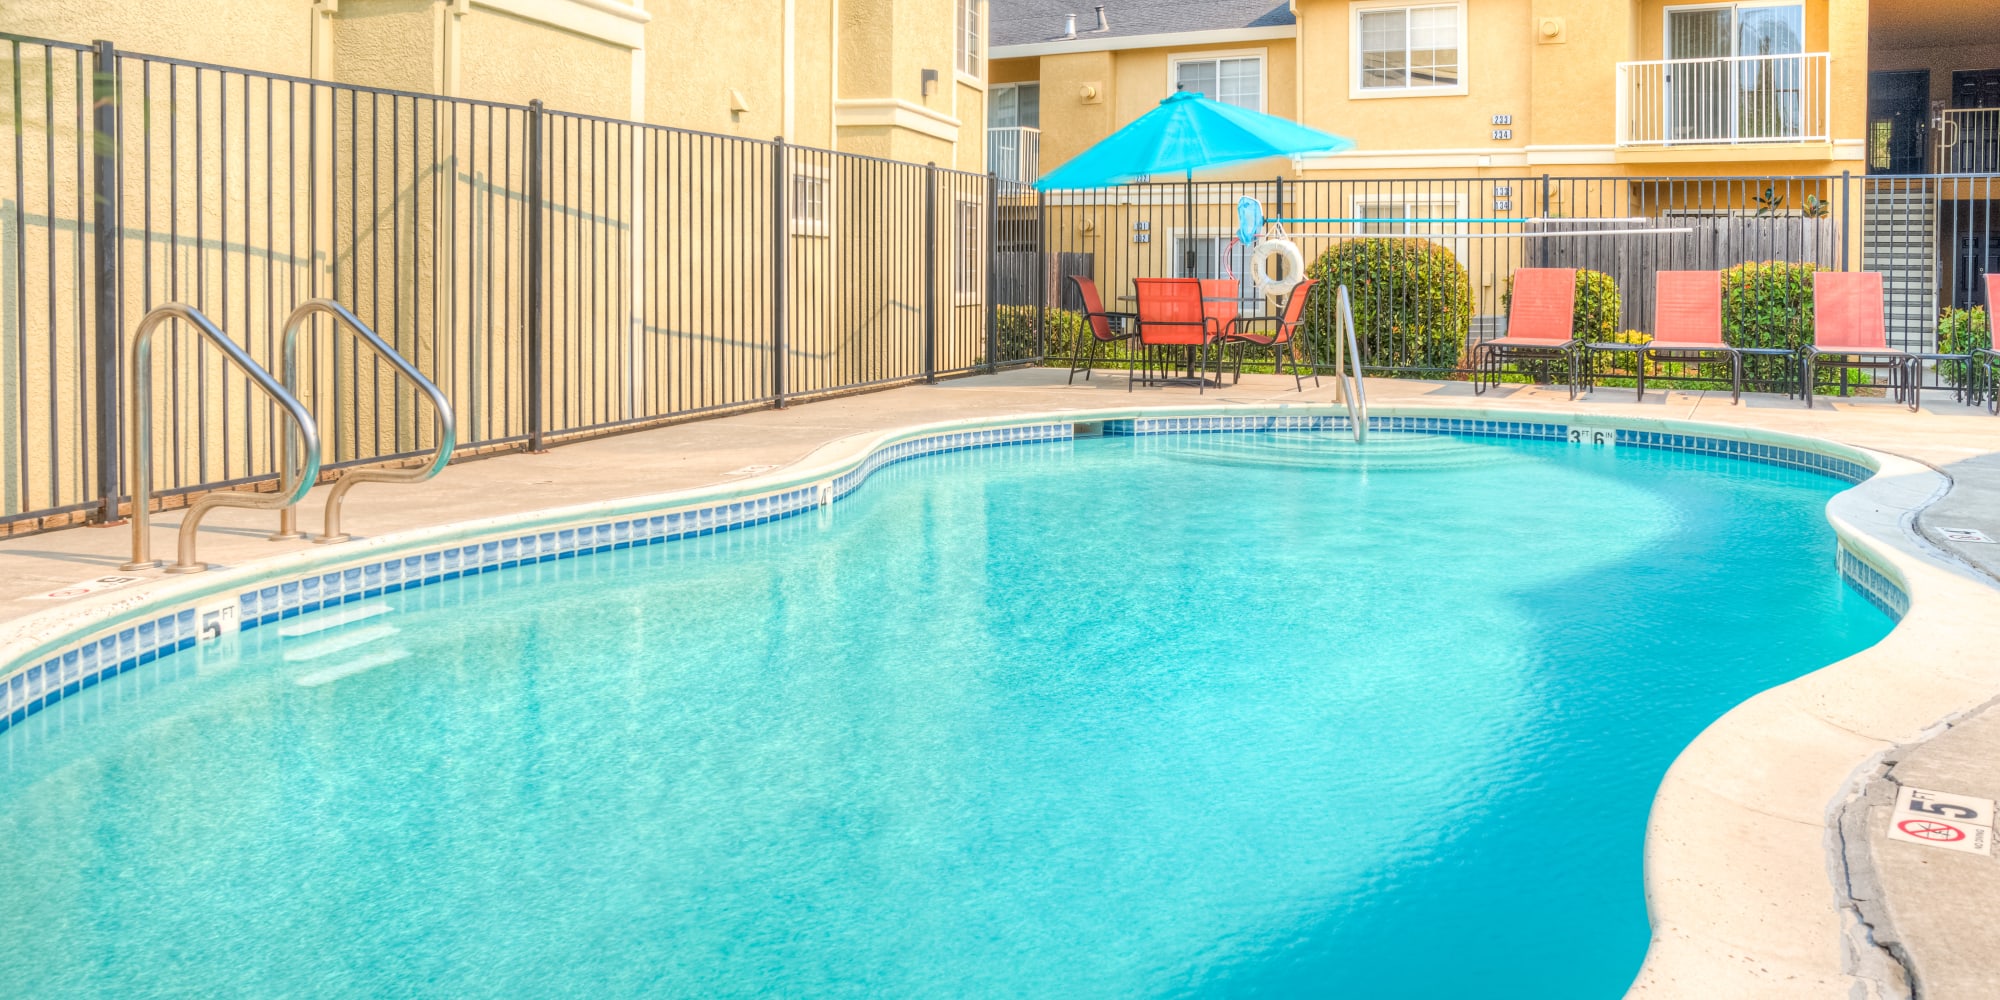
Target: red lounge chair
x=1105 y=328
x=1285 y=337
x=1171 y=314
x=1847 y=327
x=1687 y=325
x=1540 y=323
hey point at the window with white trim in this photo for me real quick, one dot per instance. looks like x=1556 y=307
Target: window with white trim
x=1014 y=105
x=811 y=200
x=967 y=220
x=1409 y=48
x=1237 y=80
x=968 y=36
x=1408 y=215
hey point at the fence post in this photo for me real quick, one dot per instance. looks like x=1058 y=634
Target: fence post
x=992 y=243
x=1042 y=276
x=930 y=272
x=780 y=261
x=1542 y=246
x=1845 y=176
x=104 y=150
x=532 y=268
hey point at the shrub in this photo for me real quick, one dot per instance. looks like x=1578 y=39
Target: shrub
x=1961 y=331
x=1066 y=333
x=1770 y=304
x=1412 y=304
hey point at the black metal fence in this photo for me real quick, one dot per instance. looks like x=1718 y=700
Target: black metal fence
x=1932 y=237
x=556 y=274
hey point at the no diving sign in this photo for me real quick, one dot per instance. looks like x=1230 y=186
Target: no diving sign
x=1941 y=819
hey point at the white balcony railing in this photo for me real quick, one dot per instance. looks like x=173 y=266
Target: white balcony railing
x=1014 y=154
x=1968 y=141
x=1741 y=99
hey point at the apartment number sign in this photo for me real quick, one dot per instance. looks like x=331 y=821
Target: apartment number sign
x=1503 y=133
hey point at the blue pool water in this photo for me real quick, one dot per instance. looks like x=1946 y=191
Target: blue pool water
x=1216 y=715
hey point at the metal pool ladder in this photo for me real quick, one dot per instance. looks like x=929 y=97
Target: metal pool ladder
x=139 y=425
x=1347 y=369
x=447 y=433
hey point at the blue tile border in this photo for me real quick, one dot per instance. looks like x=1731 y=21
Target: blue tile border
x=1873 y=584
x=28 y=691
x=85 y=664
x=1768 y=454
x=1463 y=426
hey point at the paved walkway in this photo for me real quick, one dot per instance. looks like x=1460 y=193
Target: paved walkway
x=1931 y=908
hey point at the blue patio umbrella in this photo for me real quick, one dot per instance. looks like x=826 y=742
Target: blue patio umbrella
x=1186 y=133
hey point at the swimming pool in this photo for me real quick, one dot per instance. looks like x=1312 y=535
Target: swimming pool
x=1192 y=714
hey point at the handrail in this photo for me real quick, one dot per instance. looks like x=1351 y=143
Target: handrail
x=447 y=426
x=1350 y=367
x=139 y=423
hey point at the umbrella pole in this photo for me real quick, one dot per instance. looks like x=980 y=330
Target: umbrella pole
x=1187 y=256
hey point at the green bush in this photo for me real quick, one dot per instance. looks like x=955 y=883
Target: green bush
x=1412 y=304
x=1961 y=331
x=1770 y=304
x=1068 y=336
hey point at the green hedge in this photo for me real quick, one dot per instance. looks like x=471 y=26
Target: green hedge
x=1412 y=304
x=1068 y=335
x=1770 y=304
x=1961 y=331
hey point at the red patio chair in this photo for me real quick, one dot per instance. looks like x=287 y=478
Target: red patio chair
x=1171 y=314
x=1540 y=324
x=1105 y=328
x=1282 y=340
x=1848 y=333
x=1687 y=325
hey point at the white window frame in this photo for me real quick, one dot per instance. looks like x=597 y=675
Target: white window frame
x=968 y=22
x=1357 y=92
x=1263 y=70
x=967 y=283
x=820 y=225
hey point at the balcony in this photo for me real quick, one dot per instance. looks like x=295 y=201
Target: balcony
x=1014 y=154
x=1731 y=101
x=1968 y=141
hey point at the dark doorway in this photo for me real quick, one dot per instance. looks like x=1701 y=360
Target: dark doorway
x=1975 y=88
x=1898 y=121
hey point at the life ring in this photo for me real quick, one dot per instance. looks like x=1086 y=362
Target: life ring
x=1260 y=268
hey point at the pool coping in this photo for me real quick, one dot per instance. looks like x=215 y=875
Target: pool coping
x=1728 y=820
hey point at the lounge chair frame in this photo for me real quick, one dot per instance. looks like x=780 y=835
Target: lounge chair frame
x=1490 y=357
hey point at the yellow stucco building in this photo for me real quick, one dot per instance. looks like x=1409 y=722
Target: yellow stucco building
x=894 y=78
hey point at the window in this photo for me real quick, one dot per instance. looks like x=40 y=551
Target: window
x=1217 y=255
x=1410 y=49
x=810 y=209
x=1753 y=78
x=1404 y=215
x=1237 y=80
x=1014 y=105
x=968 y=36
x=967 y=219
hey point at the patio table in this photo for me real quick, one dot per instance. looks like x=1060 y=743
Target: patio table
x=1223 y=309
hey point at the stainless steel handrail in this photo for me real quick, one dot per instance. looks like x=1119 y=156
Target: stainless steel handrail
x=447 y=425
x=1348 y=367
x=139 y=424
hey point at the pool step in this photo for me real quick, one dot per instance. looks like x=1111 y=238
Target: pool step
x=360 y=664
x=324 y=620
x=339 y=643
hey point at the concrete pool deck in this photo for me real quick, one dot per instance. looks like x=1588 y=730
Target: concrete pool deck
x=1755 y=890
